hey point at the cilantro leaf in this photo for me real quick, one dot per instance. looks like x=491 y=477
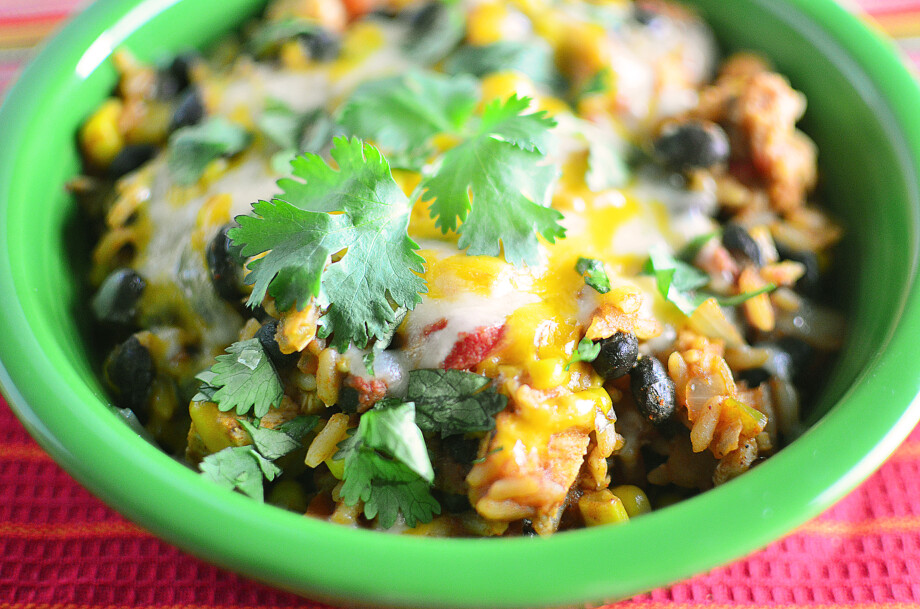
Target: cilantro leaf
x=387 y=488
x=294 y=132
x=453 y=401
x=191 y=148
x=274 y=443
x=239 y=467
x=594 y=273
x=600 y=82
x=402 y=113
x=495 y=185
x=586 y=351
x=533 y=59
x=243 y=378
x=675 y=279
x=435 y=29
x=298 y=427
x=387 y=465
x=271 y=34
x=207 y=390
x=734 y=301
x=359 y=210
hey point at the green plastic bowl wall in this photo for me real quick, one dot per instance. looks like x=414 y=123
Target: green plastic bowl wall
x=862 y=112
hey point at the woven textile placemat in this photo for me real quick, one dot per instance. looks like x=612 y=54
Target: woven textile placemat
x=61 y=548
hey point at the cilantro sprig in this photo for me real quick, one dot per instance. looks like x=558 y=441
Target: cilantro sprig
x=190 y=149
x=357 y=212
x=453 y=402
x=242 y=378
x=680 y=283
x=586 y=351
x=493 y=187
x=244 y=467
x=387 y=466
x=594 y=273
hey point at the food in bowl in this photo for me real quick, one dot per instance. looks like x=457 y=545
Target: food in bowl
x=490 y=269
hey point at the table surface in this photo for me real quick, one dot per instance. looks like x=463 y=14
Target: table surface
x=61 y=548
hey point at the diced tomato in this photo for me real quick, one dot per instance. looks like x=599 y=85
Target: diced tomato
x=471 y=348
x=370 y=391
x=434 y=327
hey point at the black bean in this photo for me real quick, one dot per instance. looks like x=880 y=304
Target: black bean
x=349 y=399
x=117 y=298
x=809 y=283
x=189 y=111
x=266 y=336
x=652 y=389
x=130 y=158
x=225 y=266
x=129 y=372
x=181 y=68
x=461 y=449
x=801 y=354
x=740 y=244
x=527 y=529
x=754 y=377
x=617 y=356
x=176 y=77
x=321 y=44
x=452 y=503
x=691 y=144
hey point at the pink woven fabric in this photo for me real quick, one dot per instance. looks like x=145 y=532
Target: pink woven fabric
x=60 y=548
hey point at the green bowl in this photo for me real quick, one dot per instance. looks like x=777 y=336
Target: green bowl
x=863 y=114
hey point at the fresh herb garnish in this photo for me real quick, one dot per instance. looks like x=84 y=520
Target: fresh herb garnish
x=533 y=59
x=242 y=378
x=387 y=466
x=271 y=34
x=600 y=82
x=357 y=211
x=493 y=188
x=243 y=467
x=417 y=106
x=678 y=282
x=586 y=351
x=453 y=401
x=274 y=443
x=239 y=467
x=191 y=148
x=497 y=186
x=294 y=132
x=434 y=30
x=594 y=273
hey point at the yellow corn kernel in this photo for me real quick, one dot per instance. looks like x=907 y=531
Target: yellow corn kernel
x=601 y=507
x=548 y=373
x=634 y=499
x=289 y=495
x=487 y=23
x=207 y=420
x=213 y=172
x=502 y=85
x=214 y=212
x=585 y=51
x=100 y=137
x=336 y=467
x=292 y=56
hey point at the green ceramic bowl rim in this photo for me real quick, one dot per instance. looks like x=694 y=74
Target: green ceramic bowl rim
x=341 y=564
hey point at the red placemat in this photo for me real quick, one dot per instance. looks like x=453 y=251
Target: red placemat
x=61 y=548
